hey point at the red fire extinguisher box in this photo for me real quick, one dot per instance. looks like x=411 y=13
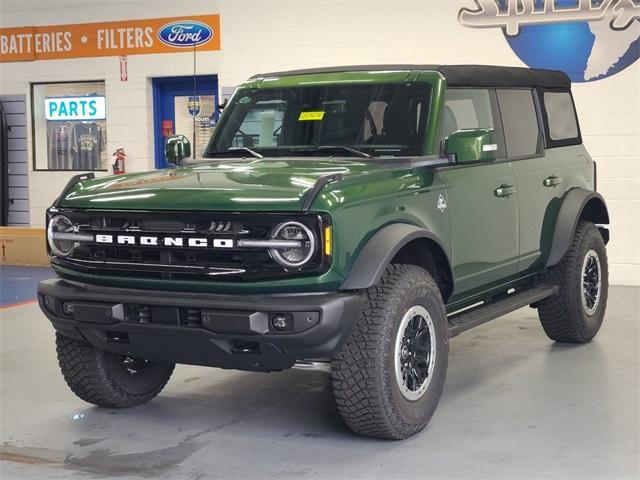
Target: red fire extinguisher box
x=118 y=164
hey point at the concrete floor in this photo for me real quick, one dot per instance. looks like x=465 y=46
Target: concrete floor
x=515 y=405
x=18 y=284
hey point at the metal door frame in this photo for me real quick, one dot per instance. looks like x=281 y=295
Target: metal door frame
x=164 y=89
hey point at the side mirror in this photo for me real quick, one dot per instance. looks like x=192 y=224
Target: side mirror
x=176 y=147
x=471 y=145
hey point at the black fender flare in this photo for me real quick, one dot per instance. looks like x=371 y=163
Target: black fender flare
x=576 y=203
x=380 y=250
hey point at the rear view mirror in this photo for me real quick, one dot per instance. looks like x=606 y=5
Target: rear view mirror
x=176 y=147
x=471 y=145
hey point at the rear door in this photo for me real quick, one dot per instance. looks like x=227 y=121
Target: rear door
x=484 y=225
x=538 y=178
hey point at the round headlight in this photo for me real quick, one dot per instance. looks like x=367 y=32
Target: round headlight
x=293 y=257
x=60 y=224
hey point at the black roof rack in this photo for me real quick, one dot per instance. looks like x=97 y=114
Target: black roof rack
x=459 y=75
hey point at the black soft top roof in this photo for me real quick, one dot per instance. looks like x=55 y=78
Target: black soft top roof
x=459 y=75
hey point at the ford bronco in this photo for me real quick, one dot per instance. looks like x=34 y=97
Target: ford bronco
x=351 y=220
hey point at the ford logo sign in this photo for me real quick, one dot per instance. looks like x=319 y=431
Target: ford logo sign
x=185 y=33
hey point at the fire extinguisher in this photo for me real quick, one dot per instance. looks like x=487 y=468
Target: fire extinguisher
x=118 y=165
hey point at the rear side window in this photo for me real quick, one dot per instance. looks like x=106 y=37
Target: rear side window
x=561 y=120
x=520 y=123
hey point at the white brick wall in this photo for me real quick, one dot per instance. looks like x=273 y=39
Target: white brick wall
x=281 y=34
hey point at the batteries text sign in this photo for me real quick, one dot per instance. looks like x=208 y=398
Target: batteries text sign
x=130 y=37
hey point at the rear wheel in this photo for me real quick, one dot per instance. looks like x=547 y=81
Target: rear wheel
x=576 y=313
x=109 y=380
x=389 y=376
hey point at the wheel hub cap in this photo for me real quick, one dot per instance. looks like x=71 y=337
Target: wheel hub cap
x=415 y=353
x=591 y=282
x=405 y=352
x=133 y=365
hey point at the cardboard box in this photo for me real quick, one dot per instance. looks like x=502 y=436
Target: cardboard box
x=23 y=247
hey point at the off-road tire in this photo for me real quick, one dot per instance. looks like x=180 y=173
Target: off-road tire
x=563 y=316
x=363 y=376
x=100 y=378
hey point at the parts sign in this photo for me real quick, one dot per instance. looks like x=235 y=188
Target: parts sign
x=75 y=108
x=130 y=37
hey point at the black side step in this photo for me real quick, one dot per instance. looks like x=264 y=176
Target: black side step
x=463 y=321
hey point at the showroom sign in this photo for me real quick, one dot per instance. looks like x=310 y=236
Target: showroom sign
x=130 y=37
x=75 y=108
x=588 y=39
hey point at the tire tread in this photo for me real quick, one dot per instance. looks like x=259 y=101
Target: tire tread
x=360 y=394
x=561 y=315
x=87 y=375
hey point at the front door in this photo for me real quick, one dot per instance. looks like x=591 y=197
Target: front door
x=482 y=199
x=483 y=206
x=181 y=107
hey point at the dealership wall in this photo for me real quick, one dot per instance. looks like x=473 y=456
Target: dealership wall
x=277 y=34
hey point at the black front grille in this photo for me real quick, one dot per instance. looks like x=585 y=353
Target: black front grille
x=183 y=262
x=149 y=225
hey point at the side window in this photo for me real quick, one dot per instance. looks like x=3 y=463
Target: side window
x=466 y=108
x=562 y=122
x=520 y=123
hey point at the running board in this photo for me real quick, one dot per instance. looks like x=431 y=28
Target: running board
x=463 y=321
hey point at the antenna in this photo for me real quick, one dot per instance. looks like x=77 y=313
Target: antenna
x=193 y=149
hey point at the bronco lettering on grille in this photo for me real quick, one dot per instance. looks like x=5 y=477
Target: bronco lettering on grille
x=194 y=242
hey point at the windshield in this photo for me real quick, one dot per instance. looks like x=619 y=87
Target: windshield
x=329 y=119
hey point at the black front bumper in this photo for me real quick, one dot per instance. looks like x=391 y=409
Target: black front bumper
x=227 y=331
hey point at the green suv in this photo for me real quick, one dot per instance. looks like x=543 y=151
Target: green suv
x=350 y=220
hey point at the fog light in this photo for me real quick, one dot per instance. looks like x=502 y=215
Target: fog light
x=67 y=308
x=281 y=322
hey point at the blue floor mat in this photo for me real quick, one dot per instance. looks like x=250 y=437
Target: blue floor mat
x=19 y=284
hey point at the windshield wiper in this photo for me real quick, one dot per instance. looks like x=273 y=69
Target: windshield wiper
x=232 y=150
x=248 y=150
x=342 y=148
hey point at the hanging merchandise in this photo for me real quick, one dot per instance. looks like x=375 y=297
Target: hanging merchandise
x=88 y=145
x=59 y=141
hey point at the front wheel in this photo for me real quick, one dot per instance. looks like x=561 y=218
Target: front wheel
x=388 y=378
x=576 y=313
x=109 y=380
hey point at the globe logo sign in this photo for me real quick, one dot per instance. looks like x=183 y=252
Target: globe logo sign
x=587 y=39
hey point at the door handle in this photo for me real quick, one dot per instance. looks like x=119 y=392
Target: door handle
x=552 y=181
x=504 y=191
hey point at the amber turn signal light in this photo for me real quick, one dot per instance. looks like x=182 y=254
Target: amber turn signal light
x=327 y=241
